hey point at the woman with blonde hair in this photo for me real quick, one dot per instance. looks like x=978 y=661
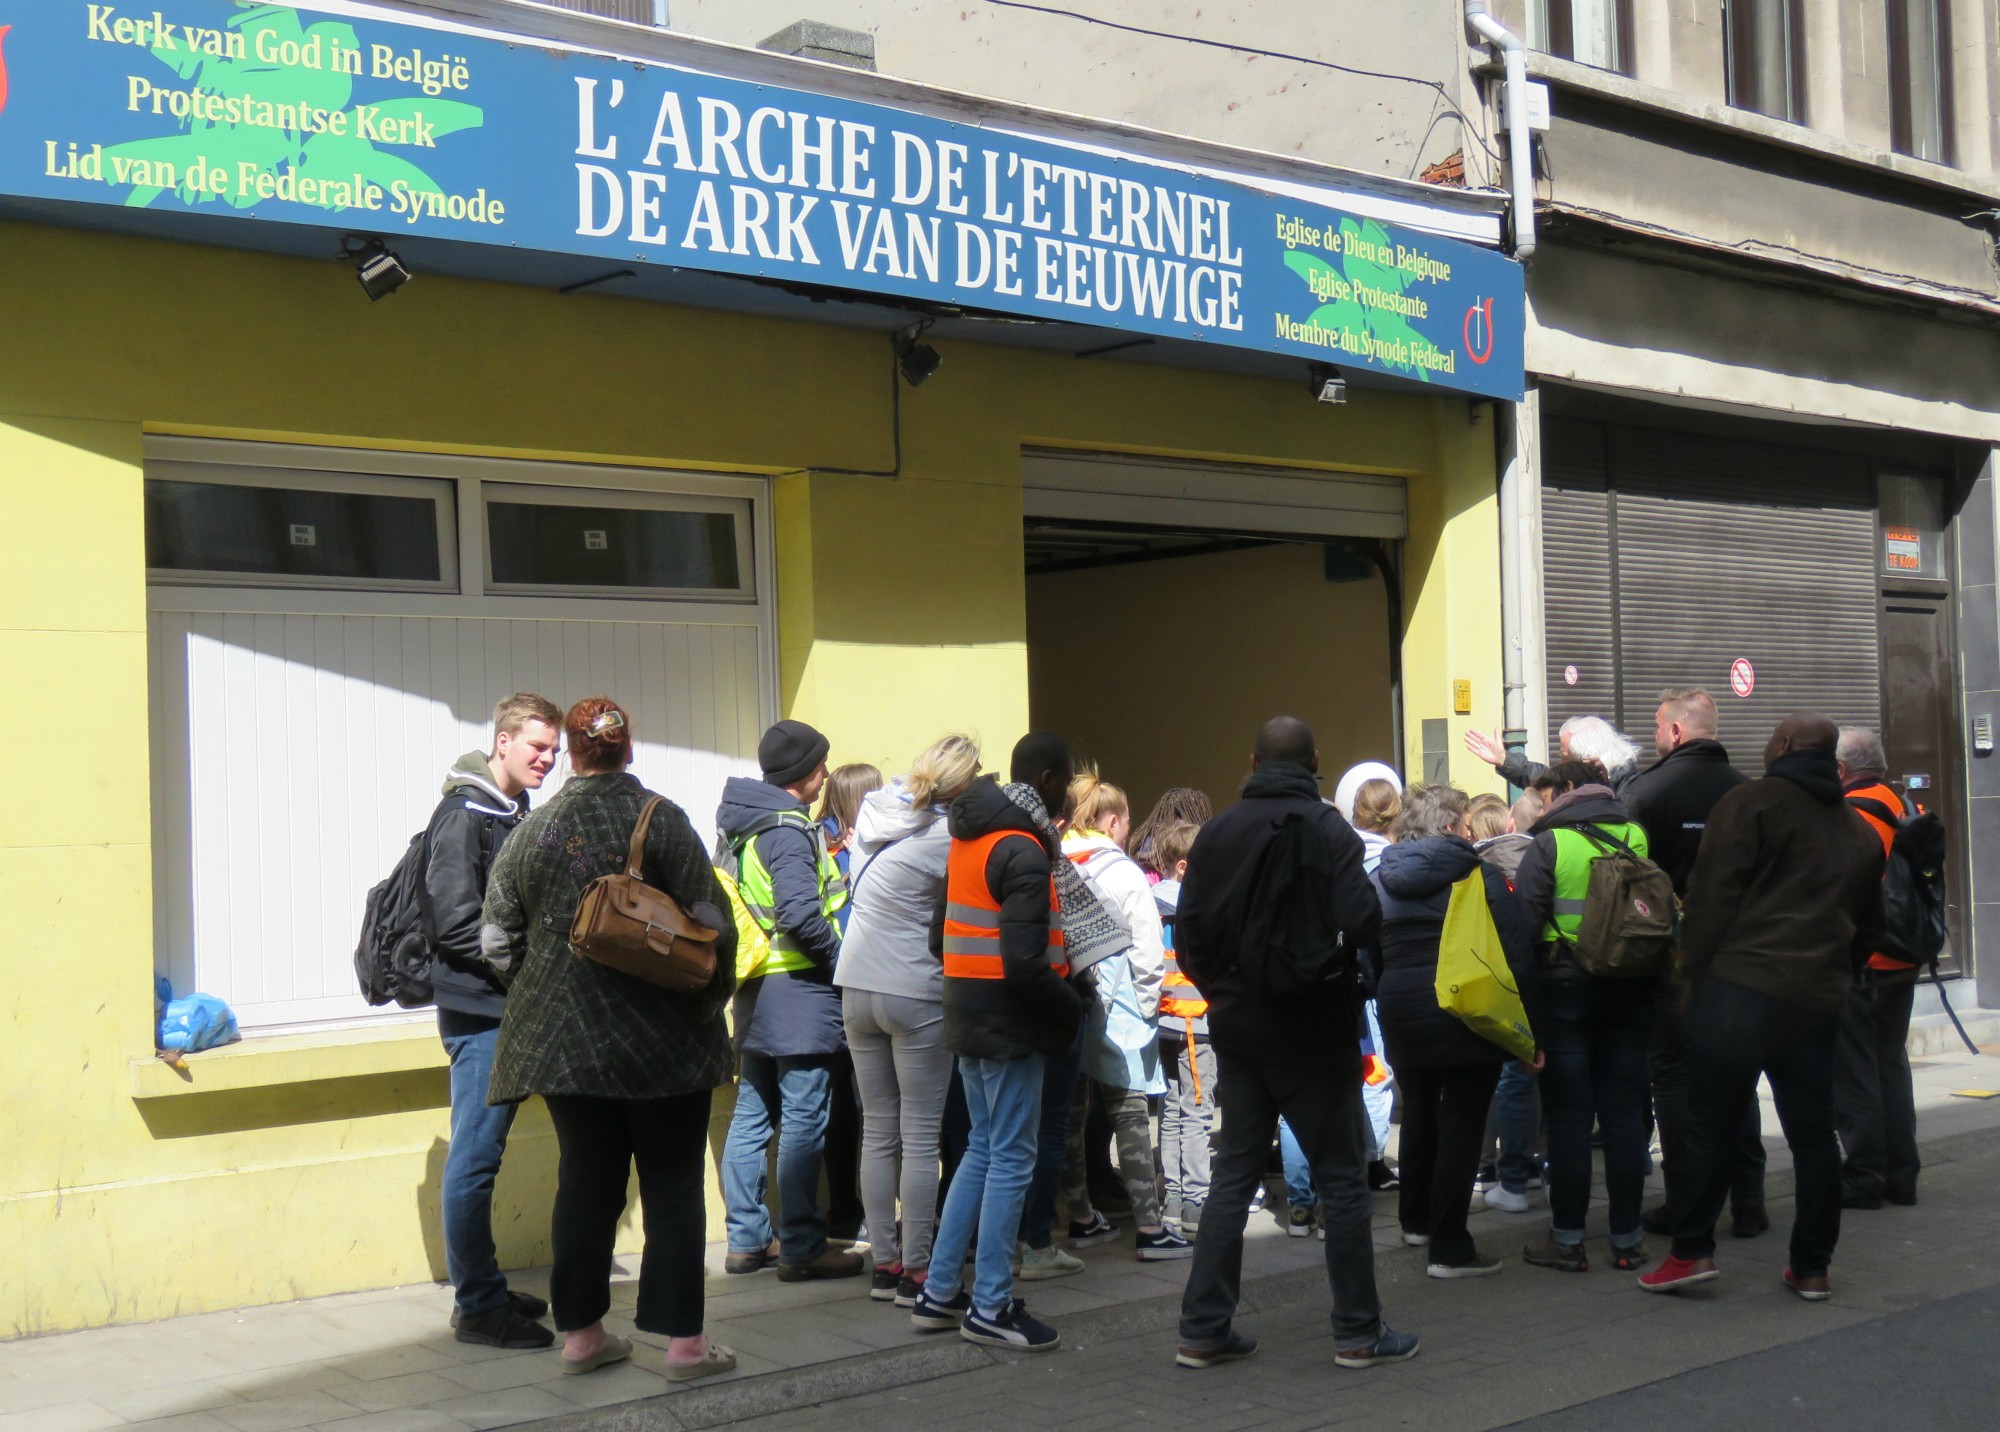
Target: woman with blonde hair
x=892 y=1002
x=1121 y=1053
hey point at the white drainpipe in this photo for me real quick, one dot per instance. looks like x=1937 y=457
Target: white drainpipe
x=1520 y=143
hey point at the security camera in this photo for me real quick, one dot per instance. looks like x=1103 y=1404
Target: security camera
x=1328 y=385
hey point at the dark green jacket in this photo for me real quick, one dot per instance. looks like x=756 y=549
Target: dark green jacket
x=573 y=1026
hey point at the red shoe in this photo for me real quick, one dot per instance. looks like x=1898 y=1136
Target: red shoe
x=1676 y=1273
x=1814 y=1290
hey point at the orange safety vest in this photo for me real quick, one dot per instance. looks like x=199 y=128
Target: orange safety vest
x=972 y=915
x=1179 y=999
x=1881 y=792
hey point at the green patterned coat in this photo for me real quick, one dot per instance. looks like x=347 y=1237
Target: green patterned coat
x=572 y=1025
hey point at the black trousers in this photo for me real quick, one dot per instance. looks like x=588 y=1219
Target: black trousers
x=1444 y=1124
x=1737 y=1034
x=600 y=1141
x=1874 y=1106
x=1325 y=1112
x=845 y=1216
x=1668 y=1064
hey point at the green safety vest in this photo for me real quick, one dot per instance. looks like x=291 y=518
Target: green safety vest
x=1576 y=852
x=753 y=884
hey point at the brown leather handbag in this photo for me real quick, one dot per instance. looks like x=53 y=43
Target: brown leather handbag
x=626 y=924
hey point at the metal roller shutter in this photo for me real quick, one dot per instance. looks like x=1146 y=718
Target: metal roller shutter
x=1717 y=550
x=1577 y=573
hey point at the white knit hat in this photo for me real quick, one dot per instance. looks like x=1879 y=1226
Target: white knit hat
x=1356 y=778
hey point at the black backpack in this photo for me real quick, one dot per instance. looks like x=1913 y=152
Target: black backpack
x=393 y=959
x=1913 y=923
x=1289 y=941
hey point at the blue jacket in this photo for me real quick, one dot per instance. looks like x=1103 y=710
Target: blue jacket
x=796 y=1012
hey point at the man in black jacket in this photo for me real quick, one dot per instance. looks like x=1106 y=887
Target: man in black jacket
x=1295 y=1055
x=1008 y=1008
x=1671 y=799
x=485 y=796
x=1784 y=905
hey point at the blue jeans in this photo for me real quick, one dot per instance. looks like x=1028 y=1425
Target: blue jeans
x=1517 y=1114
x=1005 y=1099
x=792 y=1095
x=1299 y=1192
x=1059 y=1076
x=478 y=1138
x=1595 y=1034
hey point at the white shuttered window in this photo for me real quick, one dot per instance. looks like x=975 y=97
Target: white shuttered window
x=300 y=737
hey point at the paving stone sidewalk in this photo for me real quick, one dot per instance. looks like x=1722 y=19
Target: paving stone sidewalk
x=385 y=1361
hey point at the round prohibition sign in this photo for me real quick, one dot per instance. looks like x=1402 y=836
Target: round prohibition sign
x=1742 y=676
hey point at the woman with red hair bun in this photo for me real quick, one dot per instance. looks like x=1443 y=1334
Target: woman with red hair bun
x=626 y=1068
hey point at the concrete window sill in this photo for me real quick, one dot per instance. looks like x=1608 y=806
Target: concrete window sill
x=260 y=1062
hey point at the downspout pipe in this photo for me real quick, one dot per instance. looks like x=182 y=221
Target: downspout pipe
x=1520 y=141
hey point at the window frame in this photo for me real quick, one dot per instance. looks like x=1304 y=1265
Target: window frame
x=1559 y=33
x=441 y=493
x=550 y=495
x=1739 y=40
x=1902 y=113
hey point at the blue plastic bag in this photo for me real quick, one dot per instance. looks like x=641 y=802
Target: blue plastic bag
x=193 y=1022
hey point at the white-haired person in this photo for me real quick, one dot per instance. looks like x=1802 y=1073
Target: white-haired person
x=1581 y=738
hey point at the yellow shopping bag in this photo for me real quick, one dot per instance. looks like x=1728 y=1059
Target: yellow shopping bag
x=1473 y=981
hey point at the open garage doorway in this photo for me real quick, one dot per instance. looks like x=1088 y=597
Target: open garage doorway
x=1158 y=647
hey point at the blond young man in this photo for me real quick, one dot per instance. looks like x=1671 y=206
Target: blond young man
x=485 y=796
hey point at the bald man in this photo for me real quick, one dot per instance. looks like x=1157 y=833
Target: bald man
x=1784 y=904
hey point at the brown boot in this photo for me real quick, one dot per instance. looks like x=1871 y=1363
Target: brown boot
x=830 y=1264
x=755 y=1261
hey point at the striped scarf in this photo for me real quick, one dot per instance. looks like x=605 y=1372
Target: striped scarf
x=1090 y=934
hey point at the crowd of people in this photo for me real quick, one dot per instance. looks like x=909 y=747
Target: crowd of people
x=981 y=1012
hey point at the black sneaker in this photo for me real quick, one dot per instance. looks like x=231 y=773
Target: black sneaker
x=1477 y=1266
x=1237 y=1347
x=1163 y=1246
x=526 y=1304
x=882 y=1284
x=1012 y=1328
x=907 y=1289
x=1298 y=1222
x=1094 y=1230
x=1382 y=1178
x=1749 y=1222
x=1901 y=1197
x=927 y=1316
x=1389 y=1346
x=503 y=1327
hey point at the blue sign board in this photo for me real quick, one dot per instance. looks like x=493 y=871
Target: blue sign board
x=275 y=113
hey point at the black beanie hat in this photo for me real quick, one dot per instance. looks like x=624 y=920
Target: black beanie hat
x=790 y=751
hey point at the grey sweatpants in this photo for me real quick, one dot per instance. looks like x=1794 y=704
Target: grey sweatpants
x=1187 y=1125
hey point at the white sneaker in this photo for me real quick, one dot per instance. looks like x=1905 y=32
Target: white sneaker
x=1050 y=1262
x=1506 y=1201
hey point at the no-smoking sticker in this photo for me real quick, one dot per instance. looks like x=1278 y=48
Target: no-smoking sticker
x=1742 y=676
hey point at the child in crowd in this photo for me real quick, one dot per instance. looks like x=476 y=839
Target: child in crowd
x=1188 y=1117
x=1121 y=1044
x=1514 y=1119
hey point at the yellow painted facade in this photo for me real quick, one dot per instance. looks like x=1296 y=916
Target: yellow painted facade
x=308 y=1164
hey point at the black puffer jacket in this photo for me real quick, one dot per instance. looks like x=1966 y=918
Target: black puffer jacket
x=1414 y=882
x=1672 y=798
x=1032 y=1010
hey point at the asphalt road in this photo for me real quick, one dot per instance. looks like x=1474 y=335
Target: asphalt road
x=1934 y=1368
